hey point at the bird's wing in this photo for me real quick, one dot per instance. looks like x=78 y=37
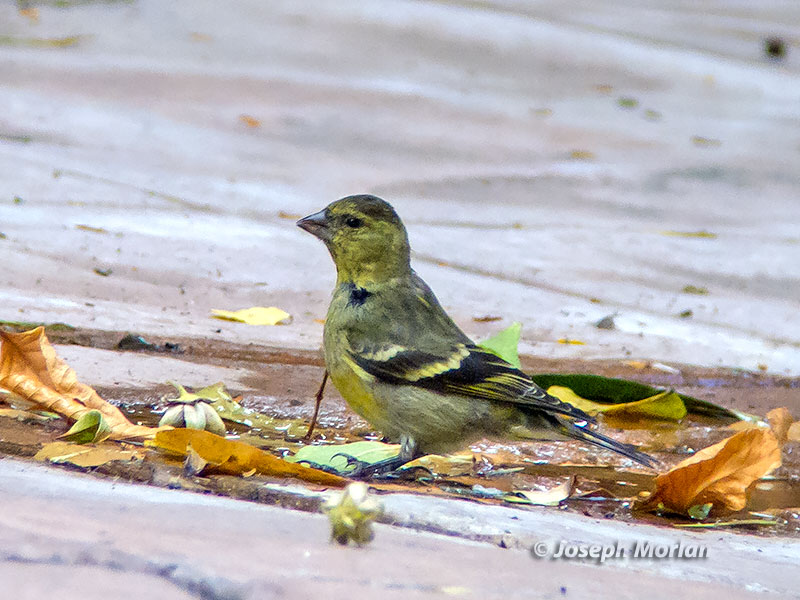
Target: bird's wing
x=465 y=370
x=418 y=344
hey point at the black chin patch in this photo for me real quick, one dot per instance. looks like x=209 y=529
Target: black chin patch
x=358 y=296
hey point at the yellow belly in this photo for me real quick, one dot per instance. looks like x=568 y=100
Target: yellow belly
x=354 y=384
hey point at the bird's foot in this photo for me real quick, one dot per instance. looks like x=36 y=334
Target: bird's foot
x=359 y=469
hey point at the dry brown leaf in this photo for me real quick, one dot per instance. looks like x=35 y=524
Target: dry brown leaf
x=780 y=420
x=84 y=455
x=793 y=434
x=236 y=458
x=30 y=368
x=719 y=474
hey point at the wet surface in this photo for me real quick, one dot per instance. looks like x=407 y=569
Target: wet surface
x=556 y=164
x=280 y=384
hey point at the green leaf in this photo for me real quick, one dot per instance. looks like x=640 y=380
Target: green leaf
x=326 y=456
x=91 y=427
x=611 y=390
x=699 y=512
x=665 y=405
x=504 y=344
x=719 y=524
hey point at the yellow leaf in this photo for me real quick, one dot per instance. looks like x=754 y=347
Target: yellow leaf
x=236 y=458
x=666 y=405
x=257 y=315
x=719 y=474
x=691 y=234
x=30 y=368
x=452 y=465
x=83 y=456
x=582 y=154
x=636 y=364
x=573 y=342
x=251 y=122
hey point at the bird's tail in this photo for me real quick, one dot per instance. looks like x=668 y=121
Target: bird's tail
x=584 y=433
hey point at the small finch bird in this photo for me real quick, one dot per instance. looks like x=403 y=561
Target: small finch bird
x=401 y=362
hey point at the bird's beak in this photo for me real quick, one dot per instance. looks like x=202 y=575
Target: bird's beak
x=317 y=225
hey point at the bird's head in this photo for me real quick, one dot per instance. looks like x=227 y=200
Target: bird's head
x=365 y=237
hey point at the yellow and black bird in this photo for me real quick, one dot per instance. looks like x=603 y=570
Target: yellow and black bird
x=401 y=362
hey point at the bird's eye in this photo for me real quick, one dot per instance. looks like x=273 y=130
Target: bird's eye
x=353 y=222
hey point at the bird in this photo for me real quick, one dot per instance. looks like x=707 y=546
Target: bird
x=401 y=362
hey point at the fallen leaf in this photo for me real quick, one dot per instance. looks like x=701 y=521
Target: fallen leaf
x=334 y=456
x=235 y=458
x=82 y=455
x=666 y=405
x=611 y=390
x=26 y=415
x=582 y=155
x=64 y=42
x=699 y=140
x=720 y=524
x=504 y=344
x=30 y=368
x=91 y=229
x=652 y=115
x=719 y=474
x=196 y=36
x=552 y=497
x=691 y=234
x=282 y=214
x=256 y=315
x=452 y=465
x=194 y=464
x=573 y=342
x=90 y=428
x=636 y=364
x=693 y=289
x=699 y=512
x=487 y=318
x=793 y=433
x=25 y=325
x=780 y=420
x=31 y=14
x=251 y=122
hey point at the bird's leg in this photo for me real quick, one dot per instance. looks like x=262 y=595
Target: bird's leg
x=364 y=470
x=318 y=401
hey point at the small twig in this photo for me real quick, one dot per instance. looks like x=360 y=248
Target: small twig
x=318 y=400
